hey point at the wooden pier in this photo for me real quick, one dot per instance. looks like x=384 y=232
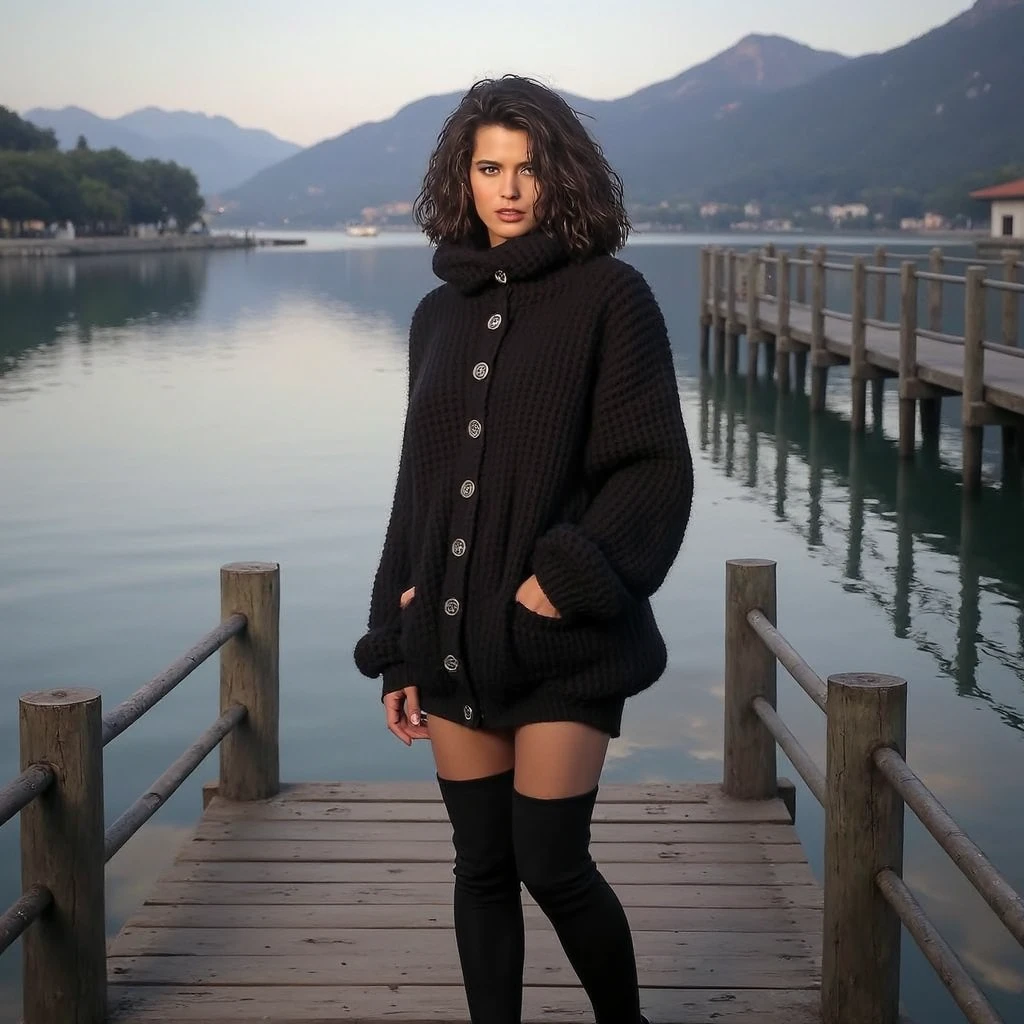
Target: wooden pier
x=779 y=301
x=331 y=901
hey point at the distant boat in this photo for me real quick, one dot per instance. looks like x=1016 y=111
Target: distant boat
x=361 y=230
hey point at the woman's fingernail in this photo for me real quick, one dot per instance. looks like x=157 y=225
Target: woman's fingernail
x=414 y=718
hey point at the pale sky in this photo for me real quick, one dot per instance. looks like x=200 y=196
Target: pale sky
x=310 y=69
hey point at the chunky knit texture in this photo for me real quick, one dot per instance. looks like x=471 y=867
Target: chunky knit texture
x=543 y=435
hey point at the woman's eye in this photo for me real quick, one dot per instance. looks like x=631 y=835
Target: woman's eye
x=527 y=170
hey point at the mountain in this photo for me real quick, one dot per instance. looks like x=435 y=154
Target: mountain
x=383 y=162
x=933 y=110
x=220 y=152
x=756 y=64
x=768 y=119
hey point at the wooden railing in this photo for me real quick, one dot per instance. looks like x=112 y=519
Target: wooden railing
x=59 y=793
x=864 y=788
x=772 y=274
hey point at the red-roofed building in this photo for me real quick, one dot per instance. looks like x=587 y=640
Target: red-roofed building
x=1007 y=209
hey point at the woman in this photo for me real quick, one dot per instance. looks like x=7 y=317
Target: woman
x=543 y=491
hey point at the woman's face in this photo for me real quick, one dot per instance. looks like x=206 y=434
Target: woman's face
x=505 y=190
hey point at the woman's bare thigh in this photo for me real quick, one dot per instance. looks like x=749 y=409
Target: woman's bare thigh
x=461 y=753
x=558 y=759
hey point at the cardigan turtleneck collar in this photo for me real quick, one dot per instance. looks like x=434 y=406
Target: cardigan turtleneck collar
x=471 y=267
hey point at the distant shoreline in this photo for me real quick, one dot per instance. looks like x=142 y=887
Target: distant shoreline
x=41 y=248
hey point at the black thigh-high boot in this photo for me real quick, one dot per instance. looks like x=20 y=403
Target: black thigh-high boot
x=552 y=843
x=488 y=903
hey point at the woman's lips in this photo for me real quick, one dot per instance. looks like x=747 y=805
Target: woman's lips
x=511 y=216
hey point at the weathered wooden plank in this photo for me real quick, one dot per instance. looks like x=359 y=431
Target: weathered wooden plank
x=687 y=970
x=388 y=945
x=672 y=873
x=436 y=1004
x=414 y=850
x=680 y=919
x=720 y=811
x=716 y=837
x=419 y=790
x=182 y=893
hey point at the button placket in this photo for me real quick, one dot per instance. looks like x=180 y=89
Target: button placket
x=494 y=326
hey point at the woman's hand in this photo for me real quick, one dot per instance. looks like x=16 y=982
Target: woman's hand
x=402 y=708
x=531 y=596
x=403 y=715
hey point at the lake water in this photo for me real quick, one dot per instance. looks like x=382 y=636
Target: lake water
x=161 y=415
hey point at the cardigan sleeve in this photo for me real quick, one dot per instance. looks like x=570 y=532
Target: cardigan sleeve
x=637 y=465
x=378 y=651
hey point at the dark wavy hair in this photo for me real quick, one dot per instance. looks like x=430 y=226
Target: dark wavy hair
x=580 y=196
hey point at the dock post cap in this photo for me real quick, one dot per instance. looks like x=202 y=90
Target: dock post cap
x=63 y=696
x=867 y=680
x=755 y=563
x=250 y=567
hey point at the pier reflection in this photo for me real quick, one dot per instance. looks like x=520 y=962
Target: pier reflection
x=945 y=567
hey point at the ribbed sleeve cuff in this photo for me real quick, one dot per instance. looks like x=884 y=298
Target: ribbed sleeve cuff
x=376 y=650
x=575 y=575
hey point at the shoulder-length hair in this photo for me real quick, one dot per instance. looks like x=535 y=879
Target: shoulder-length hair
x=580 y=196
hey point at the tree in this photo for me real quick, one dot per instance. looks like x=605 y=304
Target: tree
x=19 y=204
x=102 y=206
x=23 y=136
x=82 y=144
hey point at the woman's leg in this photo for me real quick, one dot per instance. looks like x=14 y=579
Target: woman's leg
x=475 y=772
x=558 y=765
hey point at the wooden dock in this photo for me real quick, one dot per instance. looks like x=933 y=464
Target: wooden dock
x=332 y=902
x=765 y=297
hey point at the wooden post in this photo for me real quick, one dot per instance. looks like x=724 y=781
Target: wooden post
x=705 y=304
x=863 y=834
x=783 y=340
x=64 y=967
x=750 y=671
x=974 y=378
x=721 y=285
x=715 y=288
x=935 y=265
x=249 y=676
x=753 y=311
x=931 y=407
x=858 y=342
x=908 y=356
x=881 y=260
x=819 y=366
x=1011 y=322
x=801 y=276
x=731 y=325
x=1011 y=435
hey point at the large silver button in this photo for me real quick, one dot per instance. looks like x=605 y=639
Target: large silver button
x=475 y=427
x=451 y=606
x=494 y=323
x=459 y=547
x=451 y=663
x=499 y=276
x=467 y=488
x=481 y=370
x=467 y=713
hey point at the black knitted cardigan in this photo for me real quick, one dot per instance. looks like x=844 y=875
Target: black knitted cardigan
x=543 y=435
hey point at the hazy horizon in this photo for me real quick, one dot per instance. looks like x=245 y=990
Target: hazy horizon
x=336 y=65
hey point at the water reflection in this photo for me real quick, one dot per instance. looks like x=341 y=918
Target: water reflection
x=901 y=533
x=45 y=301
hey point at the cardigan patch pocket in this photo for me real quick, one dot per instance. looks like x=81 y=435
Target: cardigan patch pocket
x=547 y=647
x=418 y=639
